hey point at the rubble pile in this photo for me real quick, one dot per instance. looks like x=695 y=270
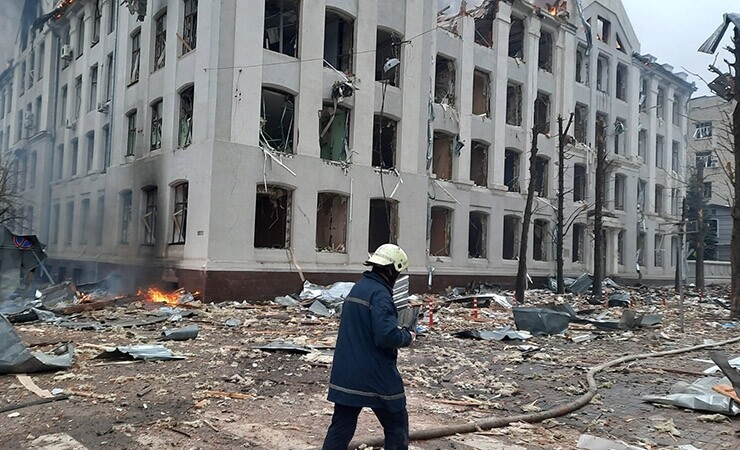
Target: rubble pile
x=145 y=371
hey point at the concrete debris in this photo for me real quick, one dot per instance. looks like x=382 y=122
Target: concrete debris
x=589 y=442
x=181 y=334
x=505 y=333
x=143 y=352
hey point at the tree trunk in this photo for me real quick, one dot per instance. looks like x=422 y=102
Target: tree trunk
x=599 y=212
x=521 y=274
x=701 y=230
x=562 y=134
x=735 y=246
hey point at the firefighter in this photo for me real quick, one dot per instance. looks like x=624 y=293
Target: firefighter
x=364 y=371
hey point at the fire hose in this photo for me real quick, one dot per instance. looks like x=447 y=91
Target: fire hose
x=499 y=422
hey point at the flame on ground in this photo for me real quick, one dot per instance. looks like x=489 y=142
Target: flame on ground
x=157 y=296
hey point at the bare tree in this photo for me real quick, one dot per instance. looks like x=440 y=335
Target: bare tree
x=601 y=167
x=521 y=274
x=11 y=202
x=562 y=136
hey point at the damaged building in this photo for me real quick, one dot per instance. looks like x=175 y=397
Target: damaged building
x=212 y=144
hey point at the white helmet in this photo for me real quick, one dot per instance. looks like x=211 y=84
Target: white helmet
x=389 y=254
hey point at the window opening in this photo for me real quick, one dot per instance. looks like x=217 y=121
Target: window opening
x=383 y=223
x=603 y=29
x=278 y=120
x=540 y=240
x=579 y=182
x=582 y=72
x=619 y=191
x=511 y=236
x=149 y=217
x=544 y=56
x=160 y=38
x=439 y=243
x=131 y=134
x=516 y=38
x=272 y=217
x=478 y=235
x=580 y=129
x=444 y=81
x=156 y=134
x=659 y=152
x=384 y=151
x=481 y=93
x=126 y=201
x=185 y=134
x=514 y=104
x=622 y=79
x=388 y=46
x=135 y=57
x=542 y=113
x=331 y=223
x=281 y=26
x=658 y=199
x=180 y=214
x=339 y=41
x=511 y=170
x=541 y=176
x=479 y=164
x=602 y=74
x=579 y=237
x=334 y=131
x=190 y=26
x=442 y=156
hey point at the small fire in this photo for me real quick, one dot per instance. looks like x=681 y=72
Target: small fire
x=157 y=296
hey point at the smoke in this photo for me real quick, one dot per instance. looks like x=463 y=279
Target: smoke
x=10 y=14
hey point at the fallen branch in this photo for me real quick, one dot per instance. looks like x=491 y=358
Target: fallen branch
x=41 y=401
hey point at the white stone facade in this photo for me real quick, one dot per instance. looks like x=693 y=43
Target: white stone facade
x=219 y=100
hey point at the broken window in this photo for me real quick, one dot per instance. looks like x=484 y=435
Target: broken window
x=603 y=29
x=55 y=224
x=674 y=157
x=676 y=110
x=511 y=236
x=59 y=163
x=106 y=147
x=439 y=241
x=660 y=104
x=273 y=212
x=93 y=100
x=334 y=123
x=70 y=223
x=705 y=159
x=644 y=94
x=542 y=113
x=185 y=132
x=78 y=96
x=600 y=135
x=541 y=179
x=620 y=182
x=658 y=199
x=582 y=64
x=32 y=69
x=659 y=152
x=131 y=133
x=484 y=30
x=180 y=213
x=444 y=81
x=481 y=93
x=90 y=152
x=622 y=81
x=675 y=246
x=160 y=37
x=383 y=223
x=642 y=143
x=580 y=129
x=281 y=26
x=516 y=38
x=641 y=191
x=189 y=26
x=540 y=240
x=619 y=136
x=99 y=221
x=126 y=201
x=674 y=201
x=388 y=47
x=331 y=223
x=511 y=169
x=544 y=58
x=514 y=104
x=620 y=45
x=442 y=156
x=135 y=56
x=149 y=215
x=97 y=18
x=155 y=141
x=479 y=163
x=658 y=255
x=707 y=190
x=579 y=238
x=80 y=35
x=579 y=182
x=478 y=235
x=384 y=142
x=338 y=41
x=75 y=156
x=278 y=120
x=641 y=238
x=703 y=130
x=602 y=73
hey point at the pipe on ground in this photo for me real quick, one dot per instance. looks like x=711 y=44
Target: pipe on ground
x=499 y=422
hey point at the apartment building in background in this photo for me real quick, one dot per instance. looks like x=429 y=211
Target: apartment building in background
x=710 y=146
x=221 y=145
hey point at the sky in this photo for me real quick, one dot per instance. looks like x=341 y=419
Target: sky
x=10 y=11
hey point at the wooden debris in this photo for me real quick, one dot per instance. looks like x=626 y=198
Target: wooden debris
x=29 y=384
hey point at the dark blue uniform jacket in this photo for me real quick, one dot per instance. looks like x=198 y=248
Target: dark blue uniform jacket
x=364 y=372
